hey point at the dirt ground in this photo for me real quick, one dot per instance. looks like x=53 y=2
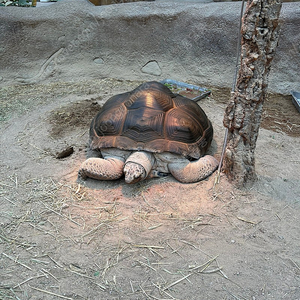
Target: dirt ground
x=62 y=238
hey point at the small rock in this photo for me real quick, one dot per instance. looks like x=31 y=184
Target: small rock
x=65 y=153
x=98 y=61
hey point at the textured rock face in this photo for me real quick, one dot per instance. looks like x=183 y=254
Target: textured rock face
x=75 y=40
x=107 y=2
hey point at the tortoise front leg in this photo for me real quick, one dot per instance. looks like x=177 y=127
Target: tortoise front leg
x=110 y=168
x=192 y=171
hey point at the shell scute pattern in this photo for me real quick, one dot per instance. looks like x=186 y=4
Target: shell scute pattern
x=153 y=119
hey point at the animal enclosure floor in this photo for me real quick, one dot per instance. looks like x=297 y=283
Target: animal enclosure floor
x=62 y=238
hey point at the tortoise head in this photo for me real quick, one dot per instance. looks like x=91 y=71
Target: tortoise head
x=134 y=172
x=138 y=166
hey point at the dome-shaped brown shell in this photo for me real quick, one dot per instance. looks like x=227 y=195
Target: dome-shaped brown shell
x=153 y=119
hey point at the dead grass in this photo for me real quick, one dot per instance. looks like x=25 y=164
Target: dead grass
x=50 y=205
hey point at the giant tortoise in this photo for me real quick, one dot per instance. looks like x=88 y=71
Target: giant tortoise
x=150 y=132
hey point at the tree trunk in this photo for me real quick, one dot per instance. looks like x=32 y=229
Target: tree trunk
x=260 y=33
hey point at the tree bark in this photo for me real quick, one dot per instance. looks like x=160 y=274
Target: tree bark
x=259 y=38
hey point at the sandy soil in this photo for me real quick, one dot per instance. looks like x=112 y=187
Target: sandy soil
x=61 y=238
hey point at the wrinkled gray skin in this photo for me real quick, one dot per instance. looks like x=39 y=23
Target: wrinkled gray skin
x=139 y=165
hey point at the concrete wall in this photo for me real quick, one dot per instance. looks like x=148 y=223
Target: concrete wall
x=73 y=40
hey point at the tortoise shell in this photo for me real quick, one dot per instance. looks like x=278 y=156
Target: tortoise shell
x=152 y=118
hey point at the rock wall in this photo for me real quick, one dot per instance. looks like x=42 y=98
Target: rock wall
x=74 y=40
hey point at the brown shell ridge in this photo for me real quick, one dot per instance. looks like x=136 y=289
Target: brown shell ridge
x=195 y=150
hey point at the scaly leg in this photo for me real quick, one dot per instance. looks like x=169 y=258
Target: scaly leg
x=193 y=171
x=110 y=168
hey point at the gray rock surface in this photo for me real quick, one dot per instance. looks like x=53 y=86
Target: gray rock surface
x=152 y=68
x=73 y=40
